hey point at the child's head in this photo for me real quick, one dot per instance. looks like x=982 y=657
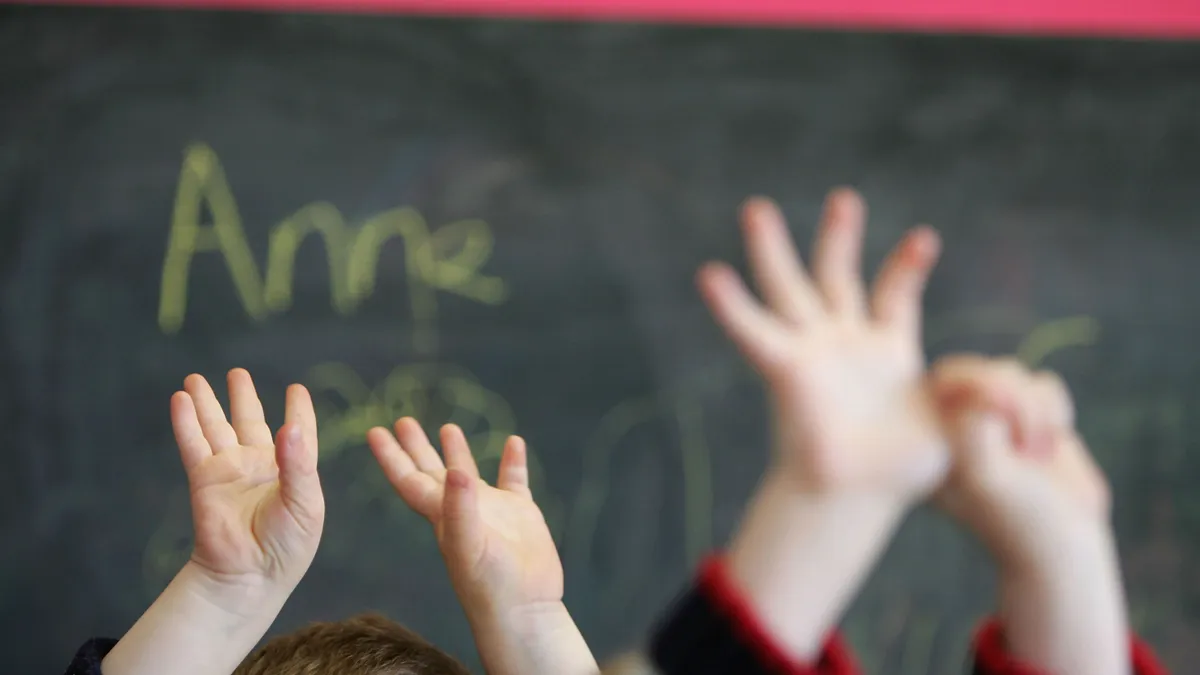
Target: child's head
x=364 y=645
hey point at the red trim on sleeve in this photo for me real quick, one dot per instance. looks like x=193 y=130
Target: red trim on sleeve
x=1144 y=660
x=716 y=583
x=992 y=657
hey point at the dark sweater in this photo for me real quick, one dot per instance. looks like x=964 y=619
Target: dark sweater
x=88 y=658
x=712 y=630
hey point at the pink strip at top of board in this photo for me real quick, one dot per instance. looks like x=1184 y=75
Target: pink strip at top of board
x=1173 y=19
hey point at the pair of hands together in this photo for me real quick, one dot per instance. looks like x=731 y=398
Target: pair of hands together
x=856 y=410
x=864 y=431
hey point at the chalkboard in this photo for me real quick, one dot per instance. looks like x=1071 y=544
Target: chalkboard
x=497 y=223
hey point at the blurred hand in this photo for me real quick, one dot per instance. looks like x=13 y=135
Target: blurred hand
x=857 y=440
x=1024 y=481
x=845 y=374
x=1022 y=477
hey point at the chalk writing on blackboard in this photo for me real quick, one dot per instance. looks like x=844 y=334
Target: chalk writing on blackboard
x=449 y=258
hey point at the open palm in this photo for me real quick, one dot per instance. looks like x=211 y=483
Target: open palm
x=257 y=505
x=494 y=539
x=845 y=373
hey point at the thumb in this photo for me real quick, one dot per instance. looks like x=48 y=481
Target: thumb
x=462 y=528
x=299 y=484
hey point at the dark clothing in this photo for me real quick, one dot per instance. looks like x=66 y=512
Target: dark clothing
x=712 y=630
x=88 y=658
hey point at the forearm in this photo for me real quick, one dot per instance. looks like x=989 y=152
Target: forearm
x=532 y=640
x=799 y=558
x=196 y=627
x=1066 y=613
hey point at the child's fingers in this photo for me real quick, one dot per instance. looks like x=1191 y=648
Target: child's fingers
x=1079 y=471
x=747 y=323
x=1030 y=434
x=1056 y=398
x=514 y=467
x=246 y=411
x=216 y=428
x=776 y=265
x=457 y=451
x=1054 y=409
x=837 y=259
x=414 y=441
x=396 y=463
x=189 y=436
x=298 y=410
x=995 y=386
x=896 y=299
x=462 y=527
x=299 y=483
x=420 y=491
x=987 y=437
x=956 y=380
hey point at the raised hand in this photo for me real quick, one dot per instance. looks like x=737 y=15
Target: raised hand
x=257 y=504
x=845 y=372
x=1019 y=461
x=857 y=439
x=497 y=547
x=494 y=539
x=257 y=510
x=1023 y=480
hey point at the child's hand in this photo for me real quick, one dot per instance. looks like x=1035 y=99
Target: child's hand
x=1023 y=480
x=496 y=544
x=258 y=512
x=257 y=504
x=846 y=377
x=857 y=439
x=1022 y=477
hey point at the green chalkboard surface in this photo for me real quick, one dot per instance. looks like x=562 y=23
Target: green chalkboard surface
x=497 y=223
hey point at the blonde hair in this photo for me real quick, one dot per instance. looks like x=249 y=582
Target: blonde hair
x=369 y=644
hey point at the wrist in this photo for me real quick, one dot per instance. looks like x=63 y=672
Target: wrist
x=231 y=599
x=530 y=637
x=1049 y=549
x=1064 y=608
x=202 y=624
x=799 y=557
x=784 y=518
x=534 y=618
x=1074 y=558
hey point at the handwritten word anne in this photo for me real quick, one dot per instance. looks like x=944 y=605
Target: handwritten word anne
x=449 y=258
